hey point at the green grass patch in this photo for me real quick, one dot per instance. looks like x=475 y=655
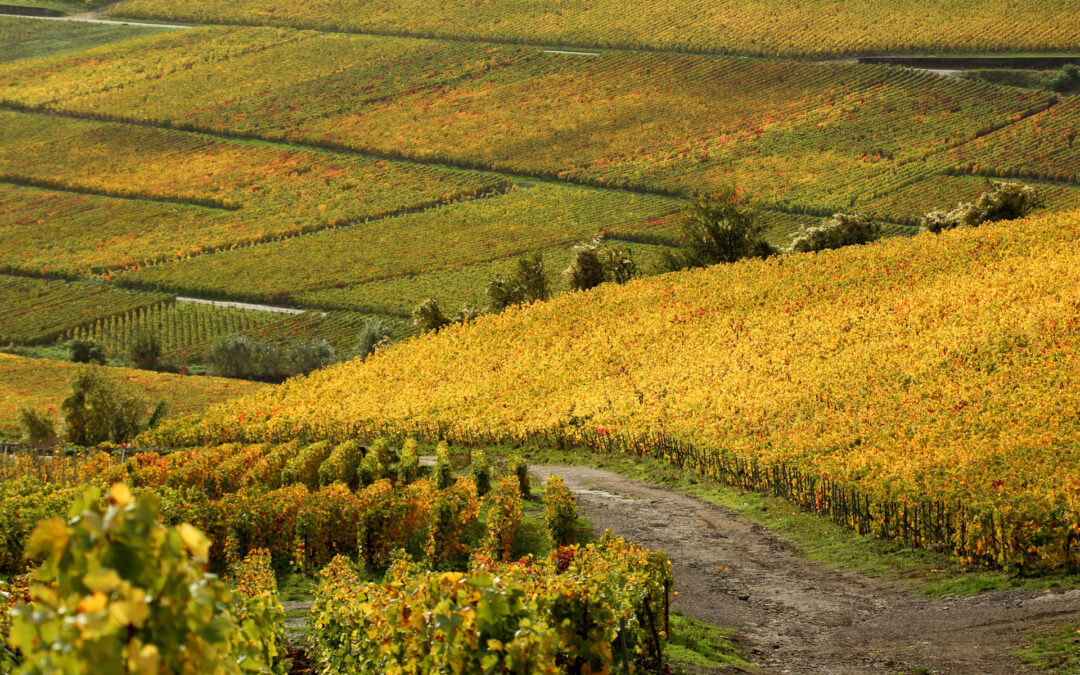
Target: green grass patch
x=816 y=537
x=1056 y=652
x=23 y=38
x=699 y=647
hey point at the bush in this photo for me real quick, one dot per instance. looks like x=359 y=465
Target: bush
x=342 y=464
x=303 y=357
x=374 y=335
x=528 y=283
x=596 y=262
x=481 y=471
x=836 y=232
x=327 y=525
x=99 y=410
x=560 y=511
x=1005 y=201
x=38 y=429
x=260 y=612
x=238 y=356
x=444 y=471
x=429 y=317
x=502 y=516
x=266 y=520
x=12 y=593
x=722 y=228
x=86 y=351
x=454 y=526
x=145 y=351
x=519 y=468
x=145 y=601
x=1066 y=79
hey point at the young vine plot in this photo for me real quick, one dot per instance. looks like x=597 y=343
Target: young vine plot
x=223 y=193
x=800 y=137
x=43 y=384
x=35 y=311
x=918 y=388
x=764 y=27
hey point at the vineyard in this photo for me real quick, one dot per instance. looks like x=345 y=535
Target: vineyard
x=39 y=310
x=800 y=137
x=447 y=238
x=874 y=383
x=759 y=27
x=445 y=537
x=42 y=384
x=26 y=38
x=224 y=193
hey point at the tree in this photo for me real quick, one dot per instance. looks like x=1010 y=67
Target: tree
x=596 y=262
x=306 y=356
x=719 y=228
x=836 y=232
x=1066 y=79
x=237 y=356
x=528 y=283
x=38 y=429
x=86 y=351
x=1004 y=201
x=428 y=316
x=375 y=335
x=145 y=351
x=100 y=410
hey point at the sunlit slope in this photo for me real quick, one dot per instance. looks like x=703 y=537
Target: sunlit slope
x=936 y=369
x=762 y=27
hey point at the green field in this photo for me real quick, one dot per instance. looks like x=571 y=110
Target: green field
x=27 y=38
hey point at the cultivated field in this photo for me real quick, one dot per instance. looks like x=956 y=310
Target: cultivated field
x=759 y=27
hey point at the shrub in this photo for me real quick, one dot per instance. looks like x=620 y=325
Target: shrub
x=304 y=466
x=144 y=599
x=86 y=351
x=586 y=269
x=836 y=232
x=238 y=356
x=264 y=520
x=13 y=592
x=22 y=504
x=268 y=469
x=342 y=464
x=481 y=471
x=408 y=462
x=260 y=613
x=528 y=283
x=306 y=356
x=1066 y=79
x=429 y=317
x=518 y=467
x=374 y=335
x=560 y=511
x=99 y=410
x=145 y=351
x=1005 y=201
x=722 y=228
x=444 y=471
x=502 y=516
x=38 y=429
x=454 y=526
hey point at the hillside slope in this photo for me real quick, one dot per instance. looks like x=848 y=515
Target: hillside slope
x=921 y=388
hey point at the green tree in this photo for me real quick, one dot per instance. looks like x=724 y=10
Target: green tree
x=376 y=334
x=86 y=351
x=100 y=410
x=528 y=283
x=719 y=228
x=836 y=232
x=145 y=351
x=1004 y=201
x=38 y=429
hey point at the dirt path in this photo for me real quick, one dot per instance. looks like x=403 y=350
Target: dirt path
x=246 y=305
x=800 y=616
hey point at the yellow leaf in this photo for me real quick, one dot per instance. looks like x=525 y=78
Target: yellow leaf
x=93 y=603
x=103 y=581
x=49 y=536
x=194 y=540
x=120 y=495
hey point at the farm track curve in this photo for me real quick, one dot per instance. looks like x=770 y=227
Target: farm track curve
x=799 y=616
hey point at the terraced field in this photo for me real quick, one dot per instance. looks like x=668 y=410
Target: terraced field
x=26 y=38
x=760 y=27
x=43 y=384
x=800 y=137
x=40 y=310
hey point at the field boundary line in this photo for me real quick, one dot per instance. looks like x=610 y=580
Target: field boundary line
x=59 y=186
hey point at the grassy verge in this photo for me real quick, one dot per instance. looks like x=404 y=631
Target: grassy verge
x=1057 y=652
x=816 y=537
x=696 y=647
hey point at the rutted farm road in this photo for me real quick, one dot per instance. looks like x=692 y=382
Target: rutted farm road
x=799 y=616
